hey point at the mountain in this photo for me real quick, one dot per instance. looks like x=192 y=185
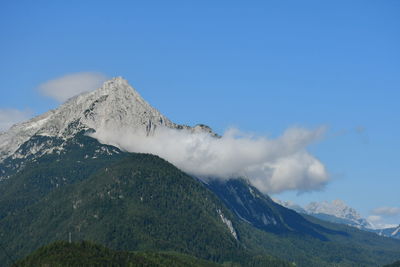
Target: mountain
x=116 y=105
x=393 y=232
x=320 y=243
x=291 y=205
x=58 y=181
x=249 y=204
x=140 y=202
x=336 y=211
x=129 y=202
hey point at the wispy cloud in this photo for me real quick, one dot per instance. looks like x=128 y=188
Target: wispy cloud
x=379 y=222
x=272 y=165
x=9 y=117
x=387 y=211
x=382 y=215
x=62 y=88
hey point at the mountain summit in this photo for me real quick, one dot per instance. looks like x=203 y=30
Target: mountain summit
x=115 y=105
x=338 y=209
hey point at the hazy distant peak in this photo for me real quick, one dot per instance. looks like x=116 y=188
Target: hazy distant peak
x=336 y=208
x=339 y=209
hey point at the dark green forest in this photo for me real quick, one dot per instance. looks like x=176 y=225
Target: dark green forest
x=64 y=254
x=142 y=203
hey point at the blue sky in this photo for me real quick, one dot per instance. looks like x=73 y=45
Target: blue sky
x=261 y=66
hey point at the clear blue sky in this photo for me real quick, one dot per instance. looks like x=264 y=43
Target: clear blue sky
x=262 y=66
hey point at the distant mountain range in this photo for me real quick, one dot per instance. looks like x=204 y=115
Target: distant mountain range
x=56 y=181
x=338 y=209
x=338 y=212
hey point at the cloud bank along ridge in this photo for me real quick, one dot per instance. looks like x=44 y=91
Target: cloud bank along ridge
x=272 y=165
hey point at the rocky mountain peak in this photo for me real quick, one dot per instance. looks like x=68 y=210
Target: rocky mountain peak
x=120 y=87
x=115 y=105
x=339 y=209
x=336 y=211
x=336 y=208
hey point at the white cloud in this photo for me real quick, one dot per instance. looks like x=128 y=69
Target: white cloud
x=69 y=85
x=387 y=211
x=385 y=217
x=9 y=117
x=379 y=222
x=271 y=165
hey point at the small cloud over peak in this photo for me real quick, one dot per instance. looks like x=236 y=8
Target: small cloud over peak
x=9 y=117
x=67 y=86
